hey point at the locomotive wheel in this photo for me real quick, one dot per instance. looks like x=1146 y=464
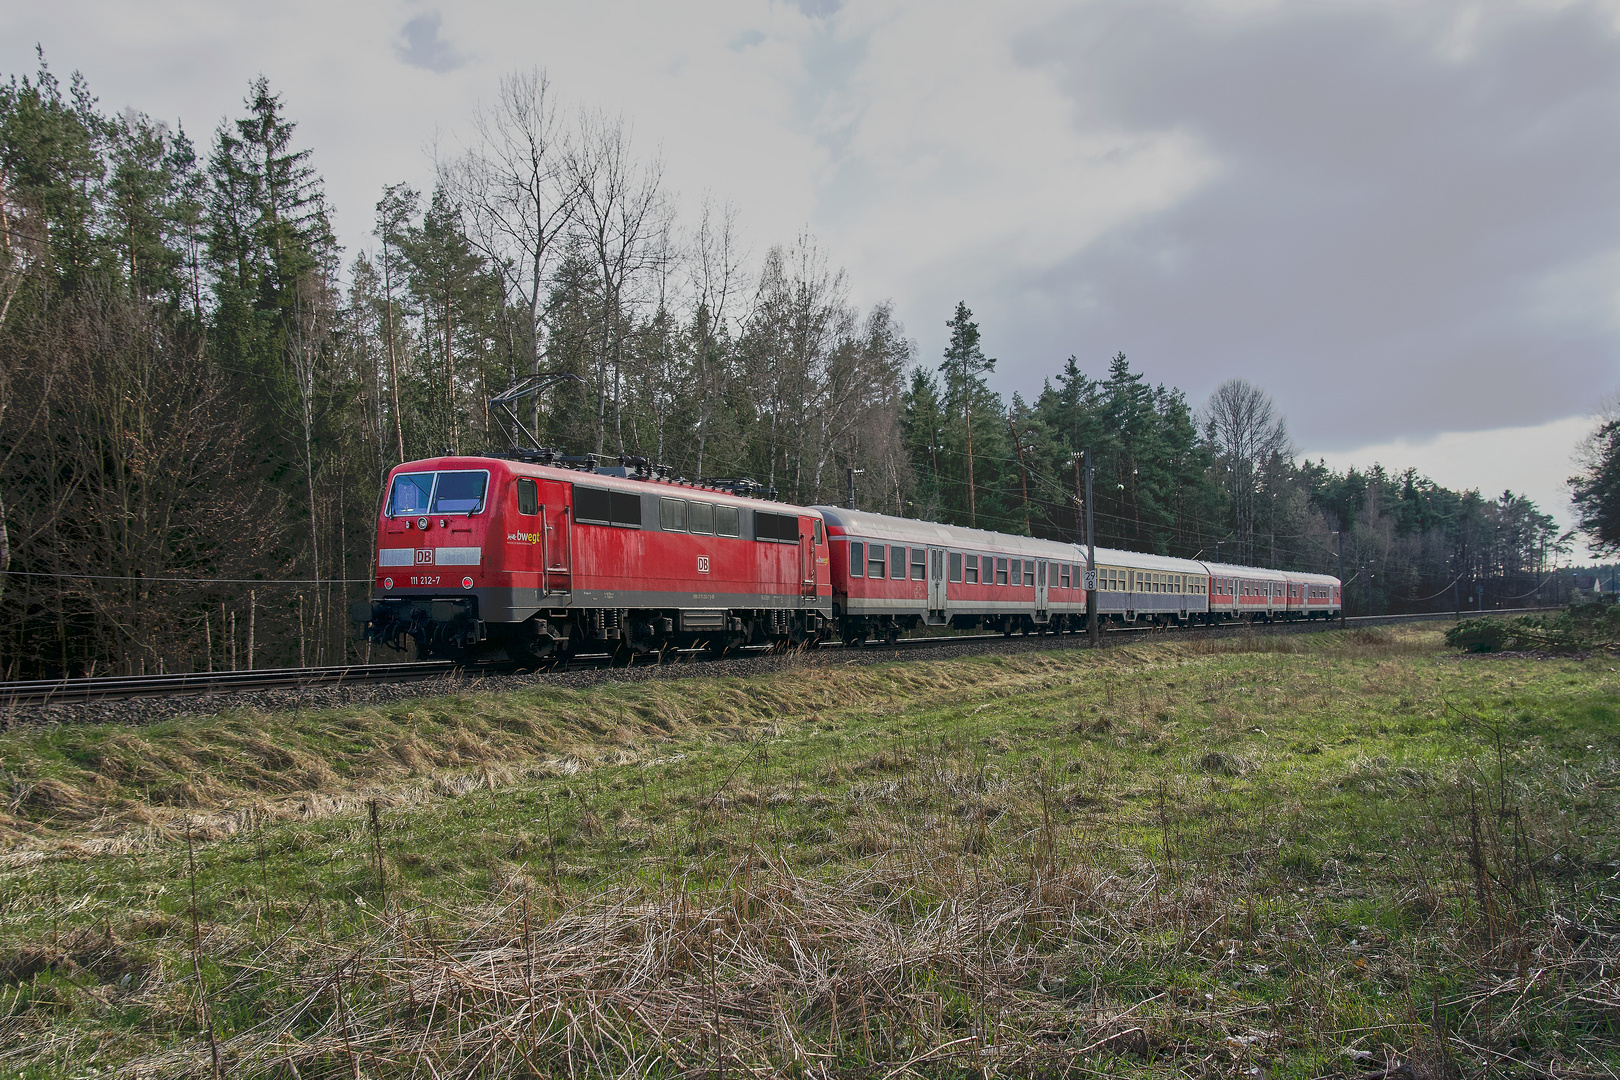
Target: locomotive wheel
x=891 y=634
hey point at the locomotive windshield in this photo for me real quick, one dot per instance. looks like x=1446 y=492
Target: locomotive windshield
x=437 y=493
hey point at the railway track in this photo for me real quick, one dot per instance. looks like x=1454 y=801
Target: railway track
x=191 y=684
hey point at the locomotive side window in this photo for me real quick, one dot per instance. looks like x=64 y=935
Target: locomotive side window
x=700 y=518
x=919 y=564
x=726 y=521
x=897 y=562
x=972 y=572
x=956 y=566
x=874 y=564
x=459 y=493
x=672 y=515
x=1001 y=571
x=592 y=506
x=857 y=559
x=410 y=494
x=528 y=495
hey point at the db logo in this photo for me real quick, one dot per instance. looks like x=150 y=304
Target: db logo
x=424 y=556
x=388 y=583
x=466 y=583
x=703 y=564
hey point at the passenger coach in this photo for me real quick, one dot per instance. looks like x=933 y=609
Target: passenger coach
x=894 y=574
x=1133 y=587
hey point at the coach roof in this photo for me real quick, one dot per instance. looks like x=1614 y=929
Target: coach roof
x=861 y=525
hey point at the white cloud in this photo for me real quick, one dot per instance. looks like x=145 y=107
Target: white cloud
x=1532 y=461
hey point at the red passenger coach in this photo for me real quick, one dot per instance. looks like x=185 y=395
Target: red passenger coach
x=542 y=560
x=893 y=574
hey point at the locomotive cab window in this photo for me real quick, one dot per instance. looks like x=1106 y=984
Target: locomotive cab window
x=528 y=496
x=672 y=515
x=821 y=538
x=857 y=559
x=410 y=495
x=459 y=493
x=874 y=562
x=956 y=566
x=700 y=518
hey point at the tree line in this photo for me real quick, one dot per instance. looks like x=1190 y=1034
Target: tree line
x=201 y=392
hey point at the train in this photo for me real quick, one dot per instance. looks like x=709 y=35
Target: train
x=543 y=556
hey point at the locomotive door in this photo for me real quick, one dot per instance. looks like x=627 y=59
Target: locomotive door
x=556 y=537
x=1041 y=570
x=936 y=579
x=807 y=564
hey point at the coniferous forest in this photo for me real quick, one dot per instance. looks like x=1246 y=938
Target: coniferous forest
x=201 y=391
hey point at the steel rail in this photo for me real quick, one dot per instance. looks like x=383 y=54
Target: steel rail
x=120 y=687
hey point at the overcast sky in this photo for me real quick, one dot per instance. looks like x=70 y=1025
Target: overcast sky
x=1401 y=219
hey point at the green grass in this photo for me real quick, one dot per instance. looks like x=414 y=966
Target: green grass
x=1175 y=857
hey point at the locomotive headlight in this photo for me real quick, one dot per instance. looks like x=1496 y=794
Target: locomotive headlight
x=421 y=523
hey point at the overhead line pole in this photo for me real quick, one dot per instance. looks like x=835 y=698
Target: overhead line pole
x=1092 y=629
x=1341 y=578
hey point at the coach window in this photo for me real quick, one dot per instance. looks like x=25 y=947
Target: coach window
x=727 y=521
x=897 y=562
x=857 y=559
x=1029 y=573
x=700 y=518
x=672 y=515
x=1015 y=576
x=956 y=566
x=919 y=564
x=528 y=493
x=972 y=572
x=874 y=562
x=1063 y=576
x=1001 y=571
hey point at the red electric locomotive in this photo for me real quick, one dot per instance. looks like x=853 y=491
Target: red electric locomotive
x=554 y=556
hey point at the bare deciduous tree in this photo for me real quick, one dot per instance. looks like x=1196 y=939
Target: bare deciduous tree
x=620 y=220
x=1250 y=441
x=518 y=195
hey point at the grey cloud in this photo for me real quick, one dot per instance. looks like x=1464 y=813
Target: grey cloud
x=420 y=45
x=818 y=9
x=1372 y=247
x=746 y=40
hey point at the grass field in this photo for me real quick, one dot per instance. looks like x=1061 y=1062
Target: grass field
x=1332 y=854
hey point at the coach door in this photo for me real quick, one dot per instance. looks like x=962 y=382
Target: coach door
x=1042 y=567
x=936 y=579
